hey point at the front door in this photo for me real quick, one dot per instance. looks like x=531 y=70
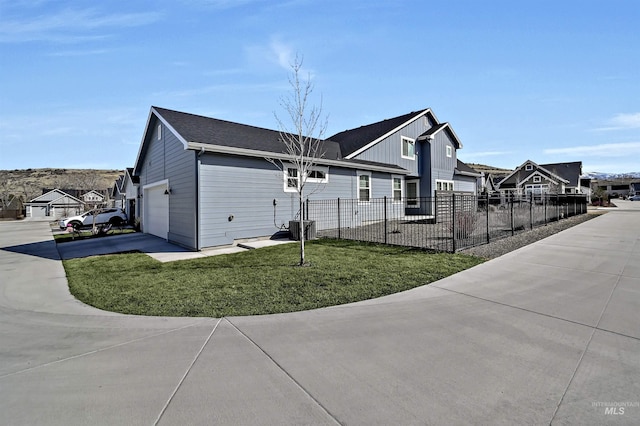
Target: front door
x=413 y=192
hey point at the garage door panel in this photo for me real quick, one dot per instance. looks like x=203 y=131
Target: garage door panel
x=157 y=211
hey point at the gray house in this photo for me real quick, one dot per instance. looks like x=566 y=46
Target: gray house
x=532 y=178
x=205 y=182
x=54 y=204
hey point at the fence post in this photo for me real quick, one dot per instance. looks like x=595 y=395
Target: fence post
x=453 y=221
x=339 y=218
x=512 y=199
x=385 y=219
x=487 y=206
x=531 y=210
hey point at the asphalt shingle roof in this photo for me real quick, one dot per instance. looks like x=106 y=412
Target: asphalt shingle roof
x=206 y=130
x=354 y=139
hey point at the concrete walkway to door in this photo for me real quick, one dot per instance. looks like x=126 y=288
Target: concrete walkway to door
x=547 y=334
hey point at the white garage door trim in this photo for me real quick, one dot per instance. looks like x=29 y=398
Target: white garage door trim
x=156 y=209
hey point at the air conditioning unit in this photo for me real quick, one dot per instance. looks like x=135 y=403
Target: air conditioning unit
x=309 y=229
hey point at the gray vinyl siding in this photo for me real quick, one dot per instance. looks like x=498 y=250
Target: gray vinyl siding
x=389 y=150
x=237 y=197
x=465 y=184
x=167 y=159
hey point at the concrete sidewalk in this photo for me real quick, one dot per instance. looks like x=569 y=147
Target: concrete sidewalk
x=547 y=334
x=155 y=247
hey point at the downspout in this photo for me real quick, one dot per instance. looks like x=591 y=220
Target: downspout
x=197 y=197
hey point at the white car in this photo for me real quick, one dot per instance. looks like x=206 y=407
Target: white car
x=115 y=217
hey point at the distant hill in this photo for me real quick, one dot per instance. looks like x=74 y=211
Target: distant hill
x=496 y=171
x=28 y=183
x=612 y=176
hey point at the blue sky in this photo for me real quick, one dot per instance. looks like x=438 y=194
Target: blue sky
x=550 y=81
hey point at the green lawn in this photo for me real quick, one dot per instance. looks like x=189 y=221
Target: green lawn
x=258 y=281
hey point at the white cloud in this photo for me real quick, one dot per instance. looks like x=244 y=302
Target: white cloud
x=622 y=122
x=624 y=149
x=283 y=53
x=70 y=25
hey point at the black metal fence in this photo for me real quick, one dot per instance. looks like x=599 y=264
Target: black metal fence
x=448 y=222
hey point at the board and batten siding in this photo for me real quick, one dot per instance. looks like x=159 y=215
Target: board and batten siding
x=167 y=159
x=389 y=150
x=442 y=167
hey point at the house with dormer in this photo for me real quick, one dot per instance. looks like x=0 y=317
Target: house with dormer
x=532 y=178
x=205 y=182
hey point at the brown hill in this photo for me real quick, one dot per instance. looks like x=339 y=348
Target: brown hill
x=496 y=171
x=28 y=183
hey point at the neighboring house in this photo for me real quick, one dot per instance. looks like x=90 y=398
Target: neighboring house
x=117 y=193
x=94 y=198
x=206 y=182
x=54 y=204
x=634 y=188
x=532 y=178
x=130 y=192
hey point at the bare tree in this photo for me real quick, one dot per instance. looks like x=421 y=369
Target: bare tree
x=302 y=135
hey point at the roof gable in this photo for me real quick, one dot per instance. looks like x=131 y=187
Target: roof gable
x=196 y=131
x=53 y=195
x=354 y=141
x=520 y=175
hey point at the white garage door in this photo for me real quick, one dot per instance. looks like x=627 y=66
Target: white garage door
x=156 y=211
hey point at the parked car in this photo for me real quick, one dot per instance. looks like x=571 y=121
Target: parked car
x=115 y=217
x=634 y=198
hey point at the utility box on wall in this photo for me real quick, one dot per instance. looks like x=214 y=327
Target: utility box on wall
x=309 y=229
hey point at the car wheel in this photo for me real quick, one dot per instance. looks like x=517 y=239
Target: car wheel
x=116 y=221
x=76 y=225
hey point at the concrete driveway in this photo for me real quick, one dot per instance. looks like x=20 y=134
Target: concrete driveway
x=547 y=334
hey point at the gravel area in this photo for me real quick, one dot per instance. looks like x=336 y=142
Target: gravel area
x=505 y=245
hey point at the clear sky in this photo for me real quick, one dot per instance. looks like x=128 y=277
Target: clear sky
x=550 y=81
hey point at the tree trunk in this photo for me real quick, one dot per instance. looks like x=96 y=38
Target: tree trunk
x=301 y=228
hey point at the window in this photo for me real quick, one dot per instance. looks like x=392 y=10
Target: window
x=291 y=180
x=528 y=167
x=536 y=189
x=413 y=190
x=408 y=148
x=397 y=189
x=444 y=185
x=318 y=175
x=364 y=187
x=537 y=179
x=159 y=131
x=449 y=151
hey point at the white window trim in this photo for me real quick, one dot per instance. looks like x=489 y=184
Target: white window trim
x=537 y=179
x=370 y=187
x=393 y=189
x=324 y=170
x=285 y=173
x=411 y=141
x=447 y=182
x=159 y=131
x=528 y=167
x=449 y=151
